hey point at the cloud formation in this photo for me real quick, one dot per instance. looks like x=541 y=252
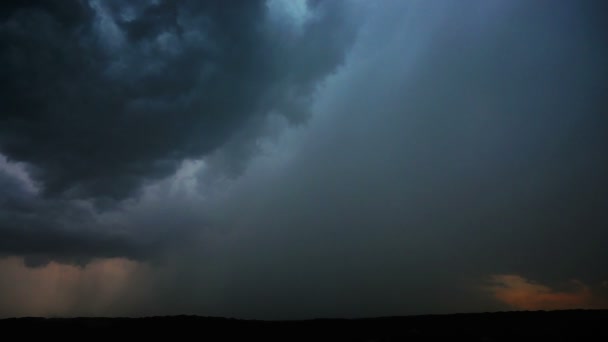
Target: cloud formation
x=99 y=97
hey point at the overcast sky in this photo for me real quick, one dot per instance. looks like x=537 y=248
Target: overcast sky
x=296 y=159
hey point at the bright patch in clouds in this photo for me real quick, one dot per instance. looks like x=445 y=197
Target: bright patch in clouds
x=17 y=171
x=294 y=11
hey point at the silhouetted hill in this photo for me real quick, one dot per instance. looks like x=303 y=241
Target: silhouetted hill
x=570 y=325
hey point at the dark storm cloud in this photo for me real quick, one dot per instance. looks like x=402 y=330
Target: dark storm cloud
x=101 y=96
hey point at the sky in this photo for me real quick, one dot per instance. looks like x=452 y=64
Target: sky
x=299 y=159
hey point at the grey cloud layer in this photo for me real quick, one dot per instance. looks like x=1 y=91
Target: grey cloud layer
x=469 y=141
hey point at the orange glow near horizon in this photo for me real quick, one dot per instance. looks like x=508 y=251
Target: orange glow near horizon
x=60 y=289
x=522 y=294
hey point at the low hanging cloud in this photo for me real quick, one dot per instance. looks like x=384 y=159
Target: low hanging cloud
x=42 y=229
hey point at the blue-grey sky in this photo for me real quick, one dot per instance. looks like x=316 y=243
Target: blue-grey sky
x=298 y=159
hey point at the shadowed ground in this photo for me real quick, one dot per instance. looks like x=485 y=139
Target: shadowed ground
x=570 y=325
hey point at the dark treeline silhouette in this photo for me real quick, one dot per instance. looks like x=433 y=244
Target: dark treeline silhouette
x=567 y=325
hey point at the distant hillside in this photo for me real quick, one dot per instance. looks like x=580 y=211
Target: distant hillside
x=570 y=325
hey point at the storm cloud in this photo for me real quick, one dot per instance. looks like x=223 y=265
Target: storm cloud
x=306 y=159
x=99 y=97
